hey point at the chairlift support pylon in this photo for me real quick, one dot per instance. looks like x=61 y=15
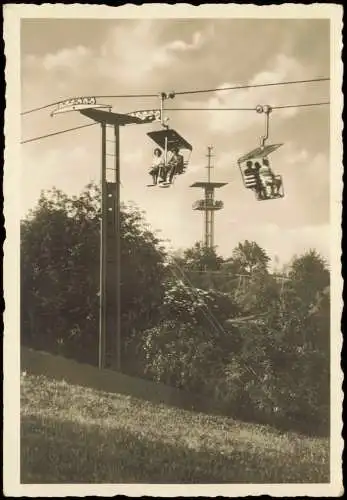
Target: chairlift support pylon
x=109 y=296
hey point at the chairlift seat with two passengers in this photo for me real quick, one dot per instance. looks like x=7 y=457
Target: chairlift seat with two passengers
x=255 y=168
x=167 y=140
x=250 y=164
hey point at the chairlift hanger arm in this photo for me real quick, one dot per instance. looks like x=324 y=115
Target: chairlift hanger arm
x=267 y=110
x=163 y=97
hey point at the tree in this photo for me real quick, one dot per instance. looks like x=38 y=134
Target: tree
x=309 y=275
x=202 y=258
x=199 y=265
x=247 y=278
x=248 y=258
x=301 y=355
x=60 y=274
x=269 y=364
x=59 y=269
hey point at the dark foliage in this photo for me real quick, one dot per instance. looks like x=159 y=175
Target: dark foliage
x=226 y=329
x=60 y=274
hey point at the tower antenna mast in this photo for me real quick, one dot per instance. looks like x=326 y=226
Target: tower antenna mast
x=208 y=205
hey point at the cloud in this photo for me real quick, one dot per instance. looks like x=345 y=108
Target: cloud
x=134 y=57
x=182 y=46
x=297 y=156
x=127 y=54
x=308 y=177
x=68 y=59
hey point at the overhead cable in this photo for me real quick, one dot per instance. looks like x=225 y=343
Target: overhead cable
x=187 y=92
x=57 y=133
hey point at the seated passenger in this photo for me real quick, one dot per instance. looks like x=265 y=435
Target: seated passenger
x=277 y=185
x=251 y=172
x=176 y=163
x=249 y=168
x=259 y=188
x=164 y=170
x=266 y=176
x=157 y=165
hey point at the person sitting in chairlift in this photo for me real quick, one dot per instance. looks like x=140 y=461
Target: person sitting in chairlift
x=254 y=168
x=267 y=177
x=157 y=165
x=276 y=180
x=164 y=170
x=176 y=163
x=251 y=170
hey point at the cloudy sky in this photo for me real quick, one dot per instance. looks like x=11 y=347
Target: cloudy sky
x=63 y=58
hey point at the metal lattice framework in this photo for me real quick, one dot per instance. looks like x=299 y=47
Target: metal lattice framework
x=208 y=204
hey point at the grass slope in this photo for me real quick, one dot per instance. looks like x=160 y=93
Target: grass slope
x=71 y=434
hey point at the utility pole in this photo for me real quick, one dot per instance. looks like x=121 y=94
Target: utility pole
x=208 y=205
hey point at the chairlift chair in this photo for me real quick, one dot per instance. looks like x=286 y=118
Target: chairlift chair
x=167 y=139
x=251 y=163
x=247 y=165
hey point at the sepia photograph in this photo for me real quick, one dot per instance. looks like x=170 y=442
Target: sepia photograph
x=172 y=263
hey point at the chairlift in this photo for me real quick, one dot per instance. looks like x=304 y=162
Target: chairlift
x=171 y=142
x=174 y=150
x=255 y=166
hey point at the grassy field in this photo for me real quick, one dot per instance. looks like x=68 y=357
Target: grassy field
x=71 y=434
